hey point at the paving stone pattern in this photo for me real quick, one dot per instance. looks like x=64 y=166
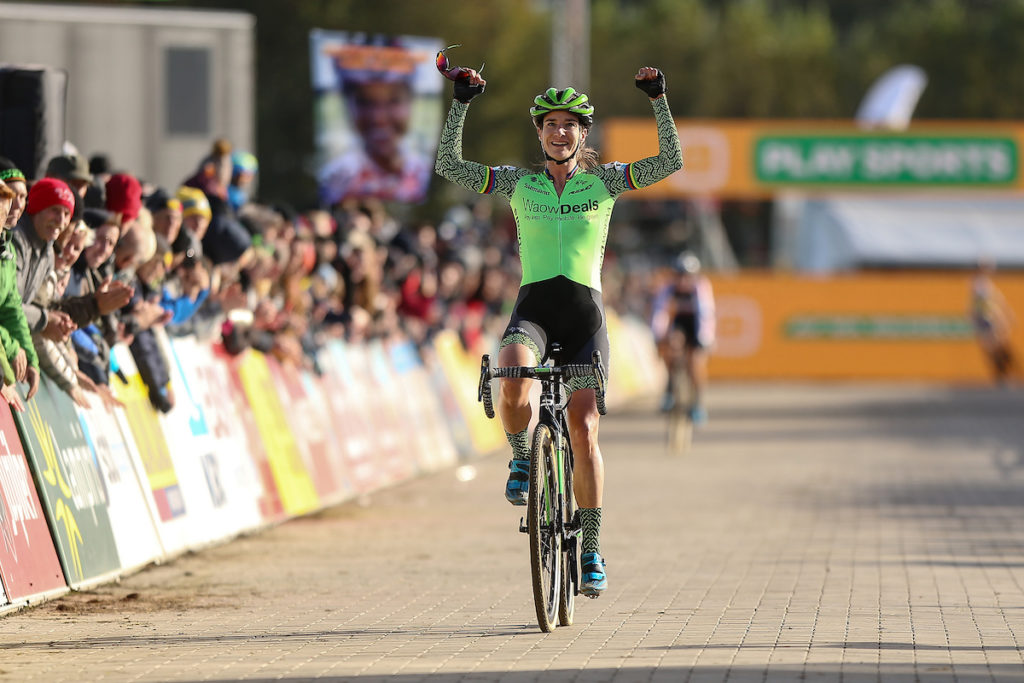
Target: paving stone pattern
x=814 y=533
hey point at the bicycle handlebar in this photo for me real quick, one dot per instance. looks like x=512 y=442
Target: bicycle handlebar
x=540 y=372
x=570 y=371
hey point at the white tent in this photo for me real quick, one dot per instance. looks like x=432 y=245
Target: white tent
x=924 y=231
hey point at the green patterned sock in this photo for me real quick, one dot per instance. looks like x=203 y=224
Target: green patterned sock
x=590 y=518
x=520 y=443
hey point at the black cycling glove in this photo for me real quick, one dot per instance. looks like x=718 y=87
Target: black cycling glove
x=465 y=91
x=654 y=86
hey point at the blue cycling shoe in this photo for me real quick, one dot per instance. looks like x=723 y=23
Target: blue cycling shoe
x=517 y=488
x=594 y=579
x=698 y=415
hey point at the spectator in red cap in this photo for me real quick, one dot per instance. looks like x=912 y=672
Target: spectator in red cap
x=48 y=211
x=124 y=196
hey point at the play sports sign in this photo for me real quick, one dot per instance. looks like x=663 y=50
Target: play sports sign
x=750 y=158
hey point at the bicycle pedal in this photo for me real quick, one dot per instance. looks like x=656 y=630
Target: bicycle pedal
x=522 y=526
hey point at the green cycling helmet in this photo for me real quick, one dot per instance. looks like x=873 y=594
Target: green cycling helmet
x=563 y=100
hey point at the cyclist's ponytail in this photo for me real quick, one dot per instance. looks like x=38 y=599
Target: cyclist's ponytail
x=588 y=158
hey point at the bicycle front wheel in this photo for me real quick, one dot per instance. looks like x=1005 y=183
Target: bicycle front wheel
x=571 y=543
x=545 y=533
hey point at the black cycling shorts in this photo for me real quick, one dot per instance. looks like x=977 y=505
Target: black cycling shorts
x=560 y=311
x=687 y=324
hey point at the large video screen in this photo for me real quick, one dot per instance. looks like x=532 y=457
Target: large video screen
x=378 y=115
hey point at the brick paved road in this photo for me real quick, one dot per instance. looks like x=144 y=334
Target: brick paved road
x=814 y=533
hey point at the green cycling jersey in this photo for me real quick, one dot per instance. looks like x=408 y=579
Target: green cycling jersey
x=560 y=234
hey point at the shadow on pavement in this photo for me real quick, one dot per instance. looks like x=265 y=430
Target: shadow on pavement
x=849 y=673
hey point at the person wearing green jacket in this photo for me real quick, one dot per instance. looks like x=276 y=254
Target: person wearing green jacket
x=7 y=286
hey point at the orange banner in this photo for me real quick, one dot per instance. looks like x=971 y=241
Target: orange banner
x=875 y=326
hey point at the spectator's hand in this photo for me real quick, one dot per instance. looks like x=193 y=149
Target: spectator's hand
x=148 y=314
x=107 y=396
x=20 y=365
x=10 y=394
x=78 y=396
x=86 y=382
x=58 y=326
x=32 y=377
x=112 y=295
x=651 y=81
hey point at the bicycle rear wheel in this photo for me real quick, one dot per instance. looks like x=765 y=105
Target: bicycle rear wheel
x=544 y=531
x=571 y=546
x=680 y=426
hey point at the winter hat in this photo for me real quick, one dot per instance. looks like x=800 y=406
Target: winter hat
x=69 y=167
x=49 y=192
x=124 y=195
x=99 y=163
x=160 y=200
x=9 y=172
x=194 y=201
x=94 y=218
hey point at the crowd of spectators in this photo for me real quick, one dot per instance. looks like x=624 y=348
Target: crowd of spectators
x=93 y=256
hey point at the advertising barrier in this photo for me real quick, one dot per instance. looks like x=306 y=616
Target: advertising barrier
x=199 y=462
x=227 y=399
x=209 y=390
x=90 y=493
x=353 y=414
x=298 y=495
x=313 y=434
x=70 y=487
x=159 y=475
x=29 y=565
x=132 y=516
x=422 y=410
x=462 y=373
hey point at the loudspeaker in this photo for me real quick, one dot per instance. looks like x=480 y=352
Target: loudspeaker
x=33 y=101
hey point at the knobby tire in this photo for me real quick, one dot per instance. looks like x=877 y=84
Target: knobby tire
x=545 y=543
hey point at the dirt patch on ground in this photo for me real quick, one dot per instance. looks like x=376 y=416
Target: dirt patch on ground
x=122 y=600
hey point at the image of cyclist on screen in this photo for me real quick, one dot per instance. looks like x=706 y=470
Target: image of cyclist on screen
x=562 y=214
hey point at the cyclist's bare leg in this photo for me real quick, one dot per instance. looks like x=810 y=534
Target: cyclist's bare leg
x=588 y=485
x=515 y=411
x=697 y=371
x=514 y=394
x=588 y=466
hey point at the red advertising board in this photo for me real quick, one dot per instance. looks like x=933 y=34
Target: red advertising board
x=28 y=560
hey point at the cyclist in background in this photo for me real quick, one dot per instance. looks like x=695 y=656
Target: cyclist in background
x=562 y=214
x=992 y=320
x=683 y=321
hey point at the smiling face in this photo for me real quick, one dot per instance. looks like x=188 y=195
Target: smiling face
x=20 y=197
x=561 y=134
x=106 y=238
x=50 y=221
x=382 y=113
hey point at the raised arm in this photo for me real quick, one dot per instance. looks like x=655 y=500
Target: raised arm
x=620 y=177
x=450 y=165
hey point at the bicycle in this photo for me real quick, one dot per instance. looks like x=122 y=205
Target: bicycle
x=552 y=521
x=679 y=435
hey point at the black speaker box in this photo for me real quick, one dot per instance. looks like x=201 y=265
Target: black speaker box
x=33 y=100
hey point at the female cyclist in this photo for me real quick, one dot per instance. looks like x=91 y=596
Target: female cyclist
x=562 y=214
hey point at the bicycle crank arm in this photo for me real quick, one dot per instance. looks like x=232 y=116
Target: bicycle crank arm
x=522 y=526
